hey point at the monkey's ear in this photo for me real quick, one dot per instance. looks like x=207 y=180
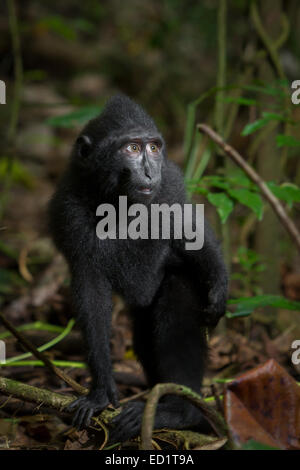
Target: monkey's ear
x=84 y=145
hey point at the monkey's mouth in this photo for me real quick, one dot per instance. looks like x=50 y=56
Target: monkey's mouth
x=145 y=190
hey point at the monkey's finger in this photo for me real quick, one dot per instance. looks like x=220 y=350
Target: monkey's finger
x=74 y=405
x=79 y=418
x=88 y=417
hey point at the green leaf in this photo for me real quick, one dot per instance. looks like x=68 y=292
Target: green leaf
x=287 y=141
x=255 y=445
x=246 y=305
x=254 y=126
x=216 y=181
x=78 y=117
x=238 y=314
x=249 y=199
x=223 y=203
x=242 y=101
x=259 y=123
x=194 y=188
x=240 y=179
x=287 y=192
x=275 y=117
x=266 y=89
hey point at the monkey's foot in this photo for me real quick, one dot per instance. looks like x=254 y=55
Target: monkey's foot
x=85 y=407
x=174 y=415
x=127 y=424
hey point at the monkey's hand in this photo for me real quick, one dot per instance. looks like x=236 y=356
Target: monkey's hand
x=216 y=306
x=95 y=402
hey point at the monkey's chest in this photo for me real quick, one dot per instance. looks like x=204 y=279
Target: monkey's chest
x=136 y=268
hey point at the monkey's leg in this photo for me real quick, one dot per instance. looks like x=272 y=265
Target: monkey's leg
x=171 y=345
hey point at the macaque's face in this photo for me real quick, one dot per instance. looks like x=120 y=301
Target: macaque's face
x=140 y=157
x=130 y=163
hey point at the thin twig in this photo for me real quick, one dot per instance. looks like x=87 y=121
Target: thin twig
x=221 y=75
x=42 y=357
x=266 y=192
x=268 y=42
x=134 y=397
x=272 y=49
x=217 y=398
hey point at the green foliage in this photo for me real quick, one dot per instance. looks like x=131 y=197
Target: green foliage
x=275 y=89
x=250 y=260
x=223 y=204
x=249 y=199
x=225 y=192
x=259 y=123
x=287 y=192
x=58 y=25
x=37 y=75
x=16 y=171
x=45 y=346
x=250 y=265
x=8 y=251
x=78 y=117
x=240 y=100
x=238 y=188
x=246 y=305
x=9 y=280
x=287 y=141
x=254 y=445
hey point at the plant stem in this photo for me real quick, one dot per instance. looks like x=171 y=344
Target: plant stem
x=39 y=355
x=213 y=417
x=45 y=346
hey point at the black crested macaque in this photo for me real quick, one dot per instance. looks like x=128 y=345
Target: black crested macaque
x=173 y=294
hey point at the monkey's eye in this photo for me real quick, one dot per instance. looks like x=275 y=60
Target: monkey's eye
x=133 y=148
x=153 y=148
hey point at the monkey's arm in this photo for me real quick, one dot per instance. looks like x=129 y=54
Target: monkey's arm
x=73 y=230
x=208 y=268
x=91 y=295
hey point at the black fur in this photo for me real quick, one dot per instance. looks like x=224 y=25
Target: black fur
x=173 y=294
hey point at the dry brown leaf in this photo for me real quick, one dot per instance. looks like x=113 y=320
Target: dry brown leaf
x=263 y=404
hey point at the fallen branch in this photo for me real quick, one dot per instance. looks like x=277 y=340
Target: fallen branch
x=268 y=195
x=40 y=396
x=59 y=402
x=32 y=394
x=42 y=357
x=213 y=417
